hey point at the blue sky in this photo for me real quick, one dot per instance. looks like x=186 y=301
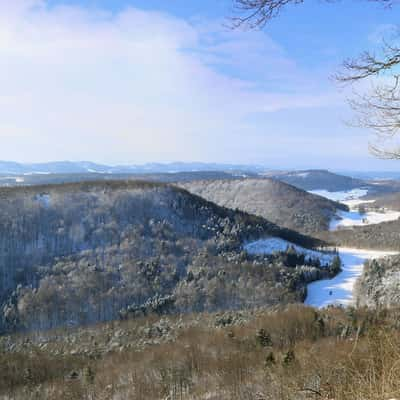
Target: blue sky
x=125 y=81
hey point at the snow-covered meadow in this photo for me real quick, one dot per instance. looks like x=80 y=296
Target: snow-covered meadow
x=341 y=196
x=353 y=199
x=347 y=219
x=339 y=290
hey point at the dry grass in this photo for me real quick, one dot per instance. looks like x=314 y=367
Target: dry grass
x=296 y=353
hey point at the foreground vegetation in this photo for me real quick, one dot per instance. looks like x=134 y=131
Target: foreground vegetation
x=289 y=353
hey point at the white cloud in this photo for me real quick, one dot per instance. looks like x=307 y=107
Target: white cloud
x=137 y=86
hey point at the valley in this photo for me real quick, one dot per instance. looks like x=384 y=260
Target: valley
x=272 y=199
x=340 y=290
x=361 y=211
x=199 y=200
x=110 y=273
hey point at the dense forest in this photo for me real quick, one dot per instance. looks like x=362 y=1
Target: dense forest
x=379 y=285
x=383 y=236
x=80 y=253
x=276 y=201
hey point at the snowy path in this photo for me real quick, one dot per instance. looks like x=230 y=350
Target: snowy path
x=339 y=290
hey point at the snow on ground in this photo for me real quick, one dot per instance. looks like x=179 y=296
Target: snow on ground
x=352 y=198
x=274 y=244
x=339 y=290
x=341 y=196
x=346 y=219
x=353 y=204
x=301 y=174
x=17 y=179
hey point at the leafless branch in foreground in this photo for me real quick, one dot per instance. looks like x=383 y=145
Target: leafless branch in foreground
x=379 y=109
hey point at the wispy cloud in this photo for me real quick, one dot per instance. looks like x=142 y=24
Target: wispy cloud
x=135 y=85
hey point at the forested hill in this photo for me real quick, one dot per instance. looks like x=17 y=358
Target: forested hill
x=81 y=253
x=383 y=236
x=276 y=201
x=318 y=179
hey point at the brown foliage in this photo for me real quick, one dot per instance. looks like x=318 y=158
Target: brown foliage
x=334 y=354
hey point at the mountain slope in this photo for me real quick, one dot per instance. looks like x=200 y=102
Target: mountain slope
x=276 y=201
x=57 y=178
x=383 y=236
x=318 y=179
x=80 y=253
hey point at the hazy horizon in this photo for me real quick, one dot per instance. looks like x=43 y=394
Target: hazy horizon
x=134 y=81
x=208 y=166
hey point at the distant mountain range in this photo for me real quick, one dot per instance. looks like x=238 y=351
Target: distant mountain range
x=81 y=167
x=70 y=167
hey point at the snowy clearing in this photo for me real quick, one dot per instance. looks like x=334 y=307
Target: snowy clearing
x=339 y=290
x=341 y=196
x=347 y=219
x=274 y=244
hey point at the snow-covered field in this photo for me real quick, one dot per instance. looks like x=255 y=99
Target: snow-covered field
x=339 y=290
x=352 y=198
x=342 y=196
x=354 y=218
x=274 y=244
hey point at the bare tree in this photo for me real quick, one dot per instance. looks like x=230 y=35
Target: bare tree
x=257 y=13
x=377 y=109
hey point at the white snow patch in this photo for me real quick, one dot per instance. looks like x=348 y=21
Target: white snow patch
x=347 y=219
x=302 y=174
x=339 y=290
x=341 y=196
x=353 y=204
x=274 y=244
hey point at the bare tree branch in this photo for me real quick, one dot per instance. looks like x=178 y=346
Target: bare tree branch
x=257 y=13
x=377 y=110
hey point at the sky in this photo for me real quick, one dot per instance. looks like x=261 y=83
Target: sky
x=135 y=81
